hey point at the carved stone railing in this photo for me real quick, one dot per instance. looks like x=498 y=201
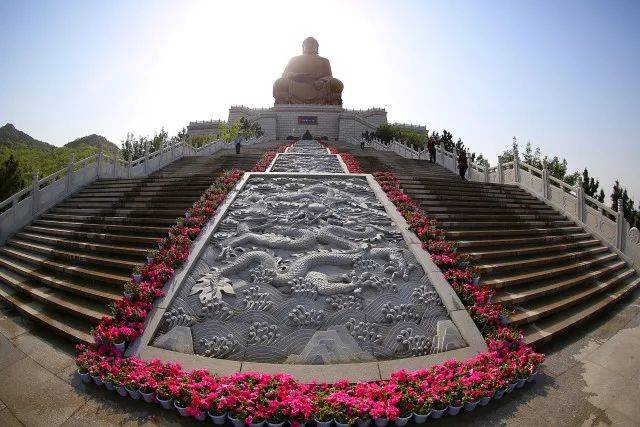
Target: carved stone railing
x=603 y=222
x=22 y=207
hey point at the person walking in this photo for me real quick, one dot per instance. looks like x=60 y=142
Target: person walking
x=362 y=142
x=431 y=146
x=238 y=143
x=462 y=164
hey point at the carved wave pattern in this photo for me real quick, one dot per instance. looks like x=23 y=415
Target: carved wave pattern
x=307 y=270
x=309 y=163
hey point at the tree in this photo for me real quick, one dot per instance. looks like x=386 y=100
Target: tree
x=159 y=140
x=229 y=133
x=11 y=180
x=180 y=136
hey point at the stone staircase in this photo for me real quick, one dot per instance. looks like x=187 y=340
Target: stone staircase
x=552 y=273
x=64 y=268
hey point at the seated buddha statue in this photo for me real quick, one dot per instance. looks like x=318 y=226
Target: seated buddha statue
x=307 y=79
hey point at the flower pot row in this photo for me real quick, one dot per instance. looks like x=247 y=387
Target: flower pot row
x=219 y=418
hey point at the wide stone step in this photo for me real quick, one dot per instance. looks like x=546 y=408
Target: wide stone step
x=531 y=276
x=92 y=273
x=514 y=232
x=108 y=198
x=521 y=241
x=75 y=329
x=520 y=262
x=124 y=204
x=532 y=250
x=96 y=227
x=165 y=213
x=537 y=309
x=484 y=204
x=465 y=217
x=520 y=294
x=552 y=326
x=425 y=195
x=489 y=210
x=142 y=192
x=58 y=242
x=104 y=237
x=486 y=225
x=97 y=291
x=80 y=307
x=76 y=257
x=97 y=219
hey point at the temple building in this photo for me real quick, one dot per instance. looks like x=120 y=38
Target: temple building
x=306 y=97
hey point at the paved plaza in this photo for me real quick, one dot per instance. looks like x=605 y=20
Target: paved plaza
x=589 y=378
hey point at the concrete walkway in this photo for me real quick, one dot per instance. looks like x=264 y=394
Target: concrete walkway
x=591 y=377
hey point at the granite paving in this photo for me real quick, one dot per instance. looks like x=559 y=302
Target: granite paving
x=590 y=378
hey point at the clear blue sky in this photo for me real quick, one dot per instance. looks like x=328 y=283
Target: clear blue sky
x=563 y=75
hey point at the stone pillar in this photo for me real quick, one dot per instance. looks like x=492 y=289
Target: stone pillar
x=620 y=225
x=545 y=181
x=469 y=166
x=580 y=197
x=99 y=163
x=129 y=168
x=69 y=182
x=486 y=174
x=516 y=161
x=35 y=192
x=455 y=159
x=146 y=157
x=500 y=172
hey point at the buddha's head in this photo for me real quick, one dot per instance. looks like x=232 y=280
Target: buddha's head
x=310 y=46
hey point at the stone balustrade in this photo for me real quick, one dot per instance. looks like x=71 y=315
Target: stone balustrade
x=22 y=207
x=603 y=222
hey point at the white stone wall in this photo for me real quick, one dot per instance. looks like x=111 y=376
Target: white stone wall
x=333 y=121
x=207 y=127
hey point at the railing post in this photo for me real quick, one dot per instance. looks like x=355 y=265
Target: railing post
x=69 y=182
x=516 y=161
x=455 y=158
x=469 y=168
x=114 y=159
x=545 y=181
x=620 y=225
x=99 y=163
x=500 y=173
x=146 y=157
x=129 y=168
x=35 y=192
x=486 y=173
x=580 y=197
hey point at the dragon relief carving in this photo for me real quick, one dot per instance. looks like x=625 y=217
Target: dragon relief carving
x=305 y=253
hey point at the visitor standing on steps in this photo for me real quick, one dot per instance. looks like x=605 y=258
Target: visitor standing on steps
x=462 y=164
x=431 y=146
x=238 y=143
x=362 y=142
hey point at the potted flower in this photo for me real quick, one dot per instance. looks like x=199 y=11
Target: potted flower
x=131 y=288
x=323 y=412
x=422 y=411
x=182 y=399
x=147 y=390
x=163 y=395
x=475 y=276
x=83 y=368
x=137 y=275
x=217 y=412
x=463 y=260
x=151 y=255
x=504 y=316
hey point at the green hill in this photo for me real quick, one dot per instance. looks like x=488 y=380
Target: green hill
x=11 y=137
x=32 y=154
x=95 y=141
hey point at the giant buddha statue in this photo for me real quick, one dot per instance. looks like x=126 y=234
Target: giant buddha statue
x=308 y=80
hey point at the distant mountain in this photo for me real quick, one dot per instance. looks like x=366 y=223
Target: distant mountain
x=95 y=141
x=11 y=137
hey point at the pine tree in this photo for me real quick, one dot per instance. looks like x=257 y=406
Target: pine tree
x=590 y=185
x=11 y=179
